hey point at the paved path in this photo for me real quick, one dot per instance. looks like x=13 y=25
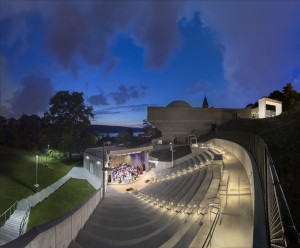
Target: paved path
x=235 y=227
x=11 y=229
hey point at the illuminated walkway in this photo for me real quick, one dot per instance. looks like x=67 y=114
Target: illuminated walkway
x=235 y=227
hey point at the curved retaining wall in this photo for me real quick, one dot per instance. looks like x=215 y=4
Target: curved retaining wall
x=60 y=231
x=249 y=164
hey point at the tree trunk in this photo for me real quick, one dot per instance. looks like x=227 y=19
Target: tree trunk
x=70 y=155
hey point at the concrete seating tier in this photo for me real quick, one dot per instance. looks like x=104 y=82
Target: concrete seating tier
x=172 y=211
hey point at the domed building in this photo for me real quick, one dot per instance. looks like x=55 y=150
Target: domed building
x=179 y=104
x=179 y=119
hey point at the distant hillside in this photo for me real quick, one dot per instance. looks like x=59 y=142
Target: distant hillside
x=103 y=129
x=282 y=134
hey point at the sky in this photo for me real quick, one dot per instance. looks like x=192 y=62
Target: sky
x=127 y=55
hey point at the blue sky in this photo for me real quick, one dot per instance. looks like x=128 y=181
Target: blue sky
x=127 y=55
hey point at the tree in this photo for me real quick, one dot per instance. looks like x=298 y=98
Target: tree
x=289 y=96
x=150 y=130
x=276 y=95
x=28 y=130
x=68 y=121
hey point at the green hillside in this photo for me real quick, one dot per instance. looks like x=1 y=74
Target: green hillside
x=282 y=134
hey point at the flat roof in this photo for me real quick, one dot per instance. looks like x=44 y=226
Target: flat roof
x=116 y=150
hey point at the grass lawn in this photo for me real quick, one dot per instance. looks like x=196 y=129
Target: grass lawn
x=61 y=201
x=17 y=174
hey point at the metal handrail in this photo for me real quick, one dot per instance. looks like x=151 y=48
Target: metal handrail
x=271 y=187
x=212 y=227
x=4 y=213
x=23 y=222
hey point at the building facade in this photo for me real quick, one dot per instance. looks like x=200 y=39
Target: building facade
x=179 y=119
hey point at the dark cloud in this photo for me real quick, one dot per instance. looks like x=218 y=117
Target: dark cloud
x=34 y=97
x=125 y=94
x=98 y=100
x=259 y=40
x=87 y=29
x=200 y=87
x=157 y=30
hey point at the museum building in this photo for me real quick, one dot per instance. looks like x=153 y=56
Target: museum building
x=179 y=119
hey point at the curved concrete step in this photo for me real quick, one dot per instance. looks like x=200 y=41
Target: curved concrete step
x=126 y=219
x=112 y=223
x=126 y=233
x=195 y=186
x=153 y=239
x=199 y=195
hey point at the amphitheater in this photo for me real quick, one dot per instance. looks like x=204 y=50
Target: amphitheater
x=212 y=197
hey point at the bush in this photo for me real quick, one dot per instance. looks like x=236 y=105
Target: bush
x=56 y=154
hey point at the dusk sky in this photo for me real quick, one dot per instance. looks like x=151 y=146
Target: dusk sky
x=127 y=55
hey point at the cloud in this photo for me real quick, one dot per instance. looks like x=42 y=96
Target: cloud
x=260 y=44
x=34 y=97
x=87 y=30
x=8 y=88
x=106 y=112
x=200 y=87
x=125 y=94
x=98 y=100
x=157 y=31
x=129 y=108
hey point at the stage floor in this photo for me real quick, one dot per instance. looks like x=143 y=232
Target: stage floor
x=136 y=185
x=125 y=183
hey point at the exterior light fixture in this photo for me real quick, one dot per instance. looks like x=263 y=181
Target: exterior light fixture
x=36 y=186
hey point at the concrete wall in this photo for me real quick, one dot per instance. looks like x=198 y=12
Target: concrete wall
x=60 y=232
x=247 y=160
x=181 y=121
x=89 y=161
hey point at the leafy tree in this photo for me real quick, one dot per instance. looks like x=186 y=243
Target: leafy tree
x=68 y=121
x=150 y=130
x=3 y=124
x=124 y=138
x=276 y=95
x=11 y=137
x=28 y=130
x=289 y=96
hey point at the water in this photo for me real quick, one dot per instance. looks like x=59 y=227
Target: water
x=116 y=134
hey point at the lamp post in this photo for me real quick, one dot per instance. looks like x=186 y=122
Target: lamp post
x=36 y=186
x=172 y=150
x=103 y=169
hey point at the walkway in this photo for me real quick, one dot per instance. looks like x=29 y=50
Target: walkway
x=12 y=227
x=235 y=227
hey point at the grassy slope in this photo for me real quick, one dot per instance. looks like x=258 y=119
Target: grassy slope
x=17 y=174
x=64 y=199
x=282 y=135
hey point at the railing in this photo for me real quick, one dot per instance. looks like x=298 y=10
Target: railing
x=281 y=230
x=22 y=229
x=212 y=225
x=5 y=213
